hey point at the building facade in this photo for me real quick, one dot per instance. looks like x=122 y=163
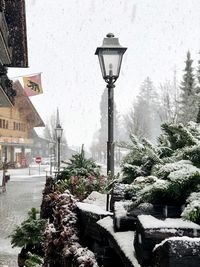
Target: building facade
x=14 y=141
x=13 y=45
x=16 y=124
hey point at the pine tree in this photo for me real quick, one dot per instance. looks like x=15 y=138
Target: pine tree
x=198 y=91
x=143 y=119
x=188 y=103
x=198 y=76
x=168 y=100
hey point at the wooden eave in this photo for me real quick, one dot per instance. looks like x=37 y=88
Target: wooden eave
x=5 y=50
x=25 y=107
x=16 y=21
x=4 y=99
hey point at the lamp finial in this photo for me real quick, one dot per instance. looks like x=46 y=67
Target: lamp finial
x=57 y=118
x=110 y=35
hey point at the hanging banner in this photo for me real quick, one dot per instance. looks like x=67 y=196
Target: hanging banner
x=33 y=85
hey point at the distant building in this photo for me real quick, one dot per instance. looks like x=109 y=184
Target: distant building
x=47 y=149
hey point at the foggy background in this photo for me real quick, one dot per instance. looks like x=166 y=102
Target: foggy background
x=62 y=39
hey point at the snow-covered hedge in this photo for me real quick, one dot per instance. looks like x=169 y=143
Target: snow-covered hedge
x=61 y=236
x=174 y=165
x=192 y=210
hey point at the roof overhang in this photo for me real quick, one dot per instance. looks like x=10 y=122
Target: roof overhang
x=16 y=21
x=5 y=50
x=4 y=100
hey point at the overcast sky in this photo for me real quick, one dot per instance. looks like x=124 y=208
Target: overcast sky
x=62 y=39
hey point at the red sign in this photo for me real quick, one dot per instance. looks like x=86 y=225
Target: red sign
x=38 y=159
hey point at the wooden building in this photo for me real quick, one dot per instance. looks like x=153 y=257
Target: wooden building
x=16 y=124
x=13 y=45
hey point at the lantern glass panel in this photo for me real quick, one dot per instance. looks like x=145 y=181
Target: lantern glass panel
x=110 y=62
x=58 y=131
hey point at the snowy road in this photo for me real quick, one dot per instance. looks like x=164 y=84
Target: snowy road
x=23 y=192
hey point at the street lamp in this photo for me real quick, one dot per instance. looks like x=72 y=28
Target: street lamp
x=51 y=153
x=110 y=58
x=58 y=132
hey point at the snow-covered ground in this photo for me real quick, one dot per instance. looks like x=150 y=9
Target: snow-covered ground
x=23 y=191
x=31 y=171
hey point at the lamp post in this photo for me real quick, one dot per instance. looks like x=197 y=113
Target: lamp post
x=51 y=144
x=58 y=132
x=110 y=58
x=4 y=169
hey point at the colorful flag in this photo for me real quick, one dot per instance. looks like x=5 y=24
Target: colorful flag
x=33 y=85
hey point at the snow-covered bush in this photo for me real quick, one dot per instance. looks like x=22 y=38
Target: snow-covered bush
x=79 y=166
x=174 y=164
x=131 y=172
x=29 y=237
x=84 y=257
x=154 y=193
x=140 y=159
x=61 y=239
x=192 y=154
x=34 y=260
x=163 y=171
x=174 y=189
x=29 y=233
x=138 y=184
x=80 y=186
x=81 y=177
x=176 y=136
x=192 y=210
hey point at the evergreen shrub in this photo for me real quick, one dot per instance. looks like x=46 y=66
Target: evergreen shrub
x=173 y=164
x=192 y=209
x=81 y=177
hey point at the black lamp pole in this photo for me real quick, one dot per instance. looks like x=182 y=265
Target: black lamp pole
x=59 y=154
x=51 y=150
x=58 y=132
x=4 y=169
x=110 y=143
x=110 y=57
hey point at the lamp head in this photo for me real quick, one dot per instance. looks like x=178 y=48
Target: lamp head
x=110 y=57
x=58 y=131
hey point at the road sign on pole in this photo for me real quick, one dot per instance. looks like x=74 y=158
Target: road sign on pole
x=38 y=160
